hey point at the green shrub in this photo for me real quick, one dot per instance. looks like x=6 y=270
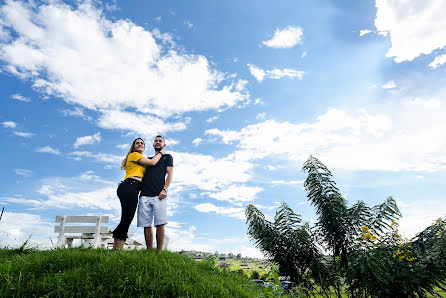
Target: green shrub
x=368 y=257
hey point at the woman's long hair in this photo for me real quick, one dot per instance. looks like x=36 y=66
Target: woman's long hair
x=131 y=150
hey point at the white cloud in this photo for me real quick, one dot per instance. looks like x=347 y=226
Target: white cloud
x=59 y=198
x=389 y=85
x=197 y=141
x=415 y=27
x=73 y=193
x=76 y=112
x=194 y=171
x=419 y=215
x=303 y=55
x=212 y=119
x=364 y=32
x=23 y=172
x=261 y=116
x=145 y=125
x=256 y=72
x=23 y=134
x=16 y=228
x=230 y=212
x=158 y=18
x=184 y=239
x=48 y=149
x=406 y=138
x=88 y=140
x=286 y=72
x=439 y=60
x=98 y=157
x=286 y=38
x=237 y=193
x=123 y=146
x=290 y=182
x=9 y=124
x=20 y=98
x=188 y=24
x=275 y=74
x=104 y=65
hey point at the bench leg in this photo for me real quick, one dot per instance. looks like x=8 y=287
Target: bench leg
x=61 y=242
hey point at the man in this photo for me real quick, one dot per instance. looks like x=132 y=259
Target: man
x=153 y=197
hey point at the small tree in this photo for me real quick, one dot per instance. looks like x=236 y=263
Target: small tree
x=365 y=248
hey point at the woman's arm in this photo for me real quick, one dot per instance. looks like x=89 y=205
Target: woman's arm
x=150 y=162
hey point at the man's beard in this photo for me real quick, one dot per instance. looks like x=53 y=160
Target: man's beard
x=158 y=149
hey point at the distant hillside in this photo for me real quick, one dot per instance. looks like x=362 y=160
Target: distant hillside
x=103 y=273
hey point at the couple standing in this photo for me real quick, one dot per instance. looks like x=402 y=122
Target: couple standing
x=150 y=176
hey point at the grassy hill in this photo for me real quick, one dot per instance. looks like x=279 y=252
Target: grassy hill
x=81 y=272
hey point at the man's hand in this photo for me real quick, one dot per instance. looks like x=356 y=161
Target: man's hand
x=162 y=195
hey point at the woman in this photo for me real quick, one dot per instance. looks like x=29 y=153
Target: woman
x=134 y=165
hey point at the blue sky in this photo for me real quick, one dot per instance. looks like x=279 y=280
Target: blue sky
x=243 y=92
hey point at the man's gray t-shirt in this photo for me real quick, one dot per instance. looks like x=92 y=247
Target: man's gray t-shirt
x=155 y=176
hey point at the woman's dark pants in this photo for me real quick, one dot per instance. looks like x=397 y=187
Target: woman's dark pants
x=127 y=192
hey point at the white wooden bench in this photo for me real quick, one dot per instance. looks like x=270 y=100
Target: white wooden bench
x=90 y=235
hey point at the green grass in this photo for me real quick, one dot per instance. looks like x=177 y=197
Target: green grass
x=81 y=272
x=235 y=265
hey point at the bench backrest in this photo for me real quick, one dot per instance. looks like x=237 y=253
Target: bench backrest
x=81 y=229
x=82 y=219
x=97 y=220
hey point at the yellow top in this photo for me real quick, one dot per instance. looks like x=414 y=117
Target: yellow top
x=132 y=168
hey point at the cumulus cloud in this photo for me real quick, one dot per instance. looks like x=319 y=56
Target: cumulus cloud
x=406 y=139
x=415 y=27
x=197 y=141
x=286 y=38
x=9 y=124
x=418 y=215
x=275 y=73
x=81 y=56
x=144 y=125
x=237 y=193
x=48 y=149
x=438 y=61
x=97 y=156
x=72 y=192
x=123 y=146
x=212 y=119
x=364 y=32
x=290 y=182
x=261 y=116
x=389 y=85
x=23 y=134
x=231 y=212
x=76 y=112
x=256 y=72
x=16 y=228
x=20 y=97
x=88 y=140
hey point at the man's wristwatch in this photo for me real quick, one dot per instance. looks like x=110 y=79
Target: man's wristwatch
x=165 y=190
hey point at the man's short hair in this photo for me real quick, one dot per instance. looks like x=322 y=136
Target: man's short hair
x=160 y=136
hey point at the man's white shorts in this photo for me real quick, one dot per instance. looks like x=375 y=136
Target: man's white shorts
x=152 y=208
